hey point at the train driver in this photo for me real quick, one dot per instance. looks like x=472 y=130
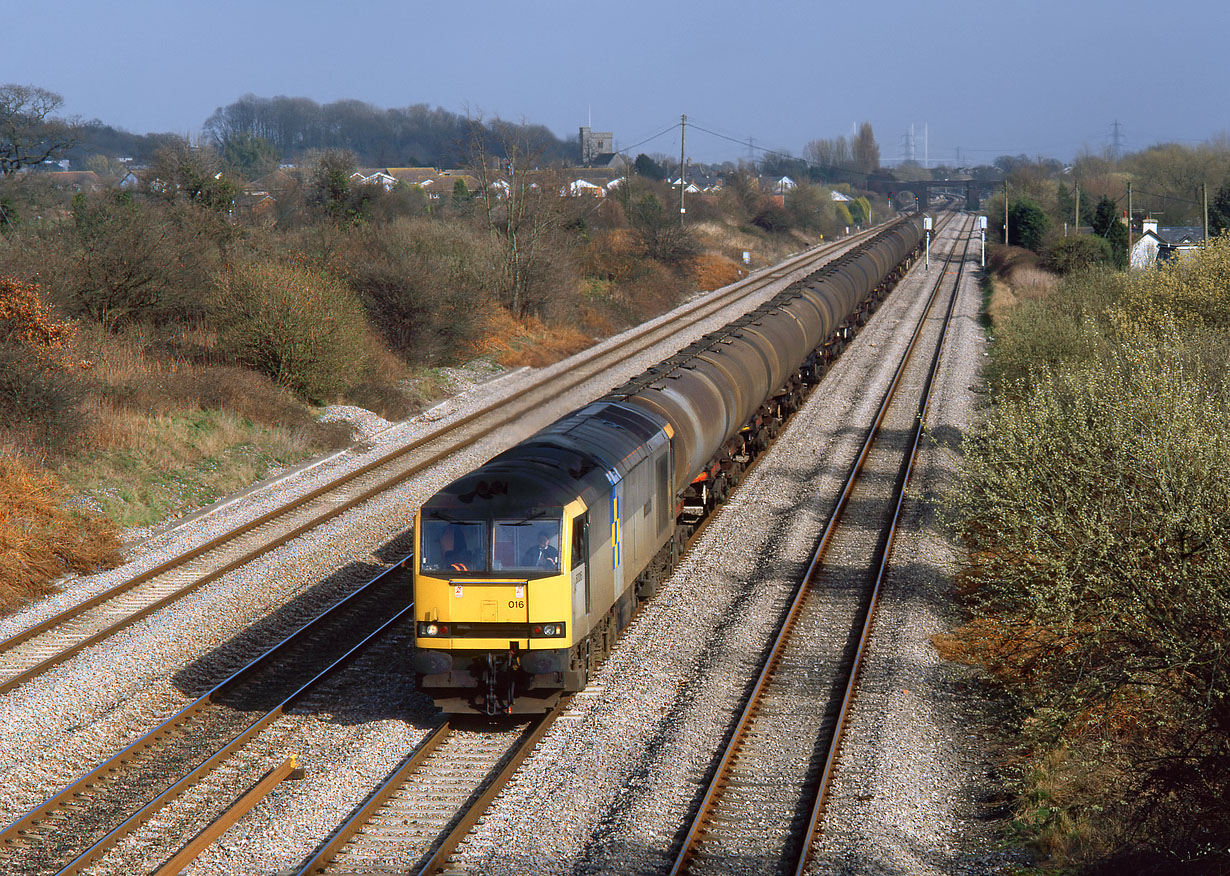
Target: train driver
x=454 y=549
x=542 y=556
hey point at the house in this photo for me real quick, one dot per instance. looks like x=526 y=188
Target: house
x=1156 y=245
x=840 y=197
x=373 y=178
x=412 y=176
x=579 y=187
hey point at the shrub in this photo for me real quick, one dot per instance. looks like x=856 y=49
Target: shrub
x=140 y=261
x=1027 y=224
x=772 y=219
x=424 y=283
x=301 y=327
x=40 y=395
x=1080 y=252
x=1093 y=506
x=1094 y=510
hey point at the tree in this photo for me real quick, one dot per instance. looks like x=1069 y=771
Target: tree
x=659 y=230
x=1219 y=211
x=648 y=168
x=1027 y=224
x=28 y=132
x=1106 y=223
x=829 y=153
x=250 y=156
x=194 y=174
x=329 y=186
x=1081 y=251
x=865 y=150
x=523 y=211
x=126 y=265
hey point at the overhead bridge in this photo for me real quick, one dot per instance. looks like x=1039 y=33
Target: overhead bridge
x=974 y=189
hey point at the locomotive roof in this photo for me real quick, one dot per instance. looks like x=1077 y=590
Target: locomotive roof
x=580 y=455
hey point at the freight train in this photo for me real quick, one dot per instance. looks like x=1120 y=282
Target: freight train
x=528 y=567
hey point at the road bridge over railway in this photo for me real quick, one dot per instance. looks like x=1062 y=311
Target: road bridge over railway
x=973 y=189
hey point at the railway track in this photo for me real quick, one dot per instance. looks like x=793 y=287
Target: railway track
x=415 y=820
x=36 y=650
x=762 y=806
x=78 y=825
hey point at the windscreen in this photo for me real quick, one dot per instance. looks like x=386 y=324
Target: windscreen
x=453 y=545
x=527 y=546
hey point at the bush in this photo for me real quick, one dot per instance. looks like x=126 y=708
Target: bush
x=772 y=218
x=40 y=395
x=1067 y=255
x=139 y=261
x=1094 y=510
x=40 y=408
x=301 y=327
x=426 y=285
x=1027 y=224
x=1062 y=330
x=1093 y=507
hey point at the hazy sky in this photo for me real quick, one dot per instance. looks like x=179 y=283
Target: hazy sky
x=1044 y=77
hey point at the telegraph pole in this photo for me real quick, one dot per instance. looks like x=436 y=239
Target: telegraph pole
x=1076 y=220
x=1005 y=212
x=683 y=126
x=1129 y=224
x=1204 y=198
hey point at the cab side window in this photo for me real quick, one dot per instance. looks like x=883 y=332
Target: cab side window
x=580 y=539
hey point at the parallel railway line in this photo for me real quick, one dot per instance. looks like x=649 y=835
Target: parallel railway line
x=36 y=844
x=120 y=795
x=766 y=793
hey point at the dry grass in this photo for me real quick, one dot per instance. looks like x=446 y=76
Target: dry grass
x=515 y=343
x=731 y=242
x=1000 y=302
x=711 y=272
x=41 y=539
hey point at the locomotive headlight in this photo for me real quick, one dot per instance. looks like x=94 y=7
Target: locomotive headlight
x=428 y=629
x=549 y=630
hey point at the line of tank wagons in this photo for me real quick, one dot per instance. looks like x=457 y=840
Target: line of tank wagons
x=530 y=566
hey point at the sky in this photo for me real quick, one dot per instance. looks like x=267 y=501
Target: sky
x=1042 y=78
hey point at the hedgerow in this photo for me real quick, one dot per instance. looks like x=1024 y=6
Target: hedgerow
x=1095 y=504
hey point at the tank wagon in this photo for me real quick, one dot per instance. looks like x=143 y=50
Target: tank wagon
x=528 y=567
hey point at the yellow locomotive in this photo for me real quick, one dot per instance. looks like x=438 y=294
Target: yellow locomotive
x=528 y=564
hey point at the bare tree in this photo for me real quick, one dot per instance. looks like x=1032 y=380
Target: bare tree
x=28 y=132
x=829 y=153
x=524 y=210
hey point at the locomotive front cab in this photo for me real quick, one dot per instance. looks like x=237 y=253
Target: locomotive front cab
x=493 y=606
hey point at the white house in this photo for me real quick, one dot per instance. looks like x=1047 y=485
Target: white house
x=1156 y=245
x=584 y=187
